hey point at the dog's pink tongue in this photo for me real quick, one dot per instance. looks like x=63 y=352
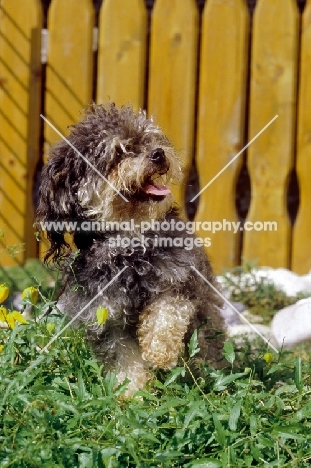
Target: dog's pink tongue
x=156 y=189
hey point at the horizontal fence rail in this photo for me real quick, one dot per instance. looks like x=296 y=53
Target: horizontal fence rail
x=231 y=87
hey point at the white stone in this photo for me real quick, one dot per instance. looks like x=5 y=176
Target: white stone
x=292 y=325
x=288 y=281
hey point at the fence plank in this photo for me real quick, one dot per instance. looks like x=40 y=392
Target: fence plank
x=221 y=115
x=122 y=52
x=20 y=81
x=301 y=253
x=270 y=157
x=69 y=65
x=69 y=74
x=172 y=76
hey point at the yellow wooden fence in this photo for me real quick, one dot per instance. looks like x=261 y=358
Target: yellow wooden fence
x=212 y=83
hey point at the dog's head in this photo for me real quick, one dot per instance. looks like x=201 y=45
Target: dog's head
x=114 y=166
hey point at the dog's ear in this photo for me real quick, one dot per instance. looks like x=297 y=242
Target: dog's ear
x=57 y=200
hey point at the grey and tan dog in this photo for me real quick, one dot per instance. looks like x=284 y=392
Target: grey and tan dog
x=158 y=301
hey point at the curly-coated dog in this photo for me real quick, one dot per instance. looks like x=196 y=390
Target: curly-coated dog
x=114 y=169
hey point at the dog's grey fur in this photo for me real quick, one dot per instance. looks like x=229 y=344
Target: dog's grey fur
x=159 y=300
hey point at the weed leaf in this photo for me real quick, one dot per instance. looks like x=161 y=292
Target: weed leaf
x=229 y=353
x=234 y=415
x=193 y=345
x=220 y=434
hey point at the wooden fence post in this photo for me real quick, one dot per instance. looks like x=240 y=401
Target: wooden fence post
x=221 y=116
x=270 y=157
x=122 y=52
x=69 y=75
x=172 y=76
x=20 y=84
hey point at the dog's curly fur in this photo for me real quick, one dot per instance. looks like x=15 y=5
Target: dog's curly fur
x=158 y=300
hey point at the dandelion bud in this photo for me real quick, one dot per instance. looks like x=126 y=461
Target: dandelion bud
x=268 y=357
x=4 y=292
x=102 y=314
x=31 y=293
x=50 y=327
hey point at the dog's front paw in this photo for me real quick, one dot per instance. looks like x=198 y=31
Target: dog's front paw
x=161 y=330
x=160 y=354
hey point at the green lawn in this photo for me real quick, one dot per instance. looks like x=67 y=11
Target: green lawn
x=60 y=409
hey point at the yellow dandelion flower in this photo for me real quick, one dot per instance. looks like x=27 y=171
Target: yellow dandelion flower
x=102 y=314
x=10 y=321
x=18 y=317
x=4 y=292
x=31 y=293
x=3 y=314
x=1 y=348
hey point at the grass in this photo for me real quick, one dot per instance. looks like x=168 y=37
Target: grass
x=60 y=409
x=34 y=272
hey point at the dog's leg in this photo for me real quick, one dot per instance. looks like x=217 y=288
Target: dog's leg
x=130 y=365
x=162 y=328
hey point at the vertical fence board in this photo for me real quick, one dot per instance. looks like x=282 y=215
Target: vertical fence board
x=69 y=74
x=172 y=78
x=301 y=252
x=270 y=157
x=20 y=82
x=122 y=52
x=69 y=65
x=221 y=115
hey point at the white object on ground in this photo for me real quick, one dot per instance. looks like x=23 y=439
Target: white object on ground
x=292 y=325
x=291 y=283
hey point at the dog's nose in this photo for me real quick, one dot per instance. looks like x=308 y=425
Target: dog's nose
x=157 y=156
